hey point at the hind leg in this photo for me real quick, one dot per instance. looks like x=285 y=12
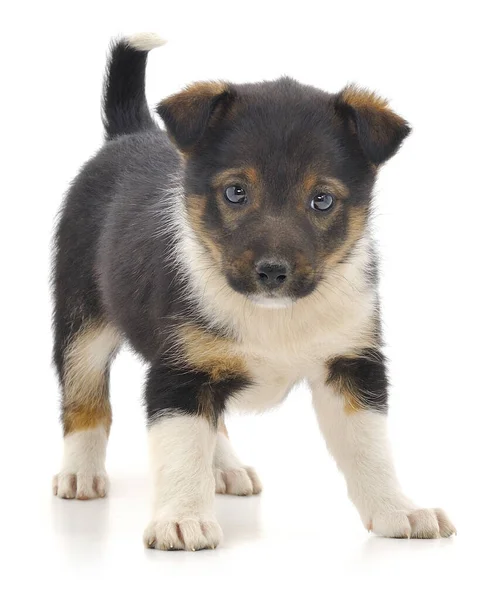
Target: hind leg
x=231 y=476
x=84 y=356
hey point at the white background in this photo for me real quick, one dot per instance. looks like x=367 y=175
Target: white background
x=436 y=225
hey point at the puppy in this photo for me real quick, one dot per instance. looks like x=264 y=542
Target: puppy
x=233 y=253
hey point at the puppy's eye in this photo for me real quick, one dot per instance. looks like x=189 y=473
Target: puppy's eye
x=322 y=202
x=235 y=194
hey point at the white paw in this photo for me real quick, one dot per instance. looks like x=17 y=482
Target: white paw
x=82 y=486
x=424 y=523
x=185 y=533
x=239 y=482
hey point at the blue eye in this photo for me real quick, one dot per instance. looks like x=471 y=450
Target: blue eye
x=235 y=194
x=322 y=202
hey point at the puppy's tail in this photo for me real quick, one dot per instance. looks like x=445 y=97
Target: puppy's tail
x=124 y=106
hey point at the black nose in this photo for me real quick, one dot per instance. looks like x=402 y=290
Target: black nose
x=272 y=274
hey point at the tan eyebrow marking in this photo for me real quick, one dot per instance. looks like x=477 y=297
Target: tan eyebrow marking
x=338 y=187
x=309 y=181
x=249 y=174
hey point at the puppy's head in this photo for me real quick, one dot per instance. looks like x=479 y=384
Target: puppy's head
x=279 y=177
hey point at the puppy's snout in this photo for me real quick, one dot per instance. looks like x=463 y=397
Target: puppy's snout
x=272 y=273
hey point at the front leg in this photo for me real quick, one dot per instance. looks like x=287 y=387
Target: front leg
x=184 y=405
x=351 y=405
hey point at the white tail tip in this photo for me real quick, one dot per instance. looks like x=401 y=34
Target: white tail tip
x=145 y=41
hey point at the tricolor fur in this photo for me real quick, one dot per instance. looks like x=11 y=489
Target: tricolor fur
x=233 y=252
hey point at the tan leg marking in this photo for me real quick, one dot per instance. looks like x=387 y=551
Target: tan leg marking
x=85 y=382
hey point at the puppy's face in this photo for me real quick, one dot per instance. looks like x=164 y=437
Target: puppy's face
x=279 y=178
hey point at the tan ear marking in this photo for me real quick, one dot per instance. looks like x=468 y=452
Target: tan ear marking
x=194 y=93
x=359 y=98
x=188 y=113
x=379 y=129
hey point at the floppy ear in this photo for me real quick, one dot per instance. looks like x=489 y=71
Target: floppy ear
x=379 y=130
x=188 y=114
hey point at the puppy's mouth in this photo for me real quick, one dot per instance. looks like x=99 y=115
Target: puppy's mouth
x=271 y=302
